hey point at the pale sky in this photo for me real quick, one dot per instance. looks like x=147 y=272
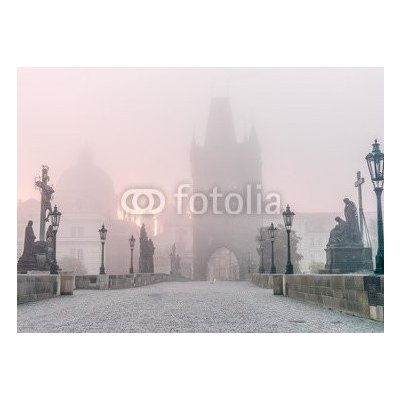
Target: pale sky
x=315 y=125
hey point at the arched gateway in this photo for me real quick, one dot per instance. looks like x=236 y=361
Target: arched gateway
x=223 y=266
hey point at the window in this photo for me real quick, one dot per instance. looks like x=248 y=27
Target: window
x=76 y=231
x=76 y=253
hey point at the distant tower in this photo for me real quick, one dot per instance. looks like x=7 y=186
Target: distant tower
x=230 y=166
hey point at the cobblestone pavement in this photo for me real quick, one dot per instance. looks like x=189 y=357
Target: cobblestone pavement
x=185 y=307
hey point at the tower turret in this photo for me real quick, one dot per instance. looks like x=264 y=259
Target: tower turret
x=220 y=130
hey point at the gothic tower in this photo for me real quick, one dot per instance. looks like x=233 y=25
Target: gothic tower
x=230 y=166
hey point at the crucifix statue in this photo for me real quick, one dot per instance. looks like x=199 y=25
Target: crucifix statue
x=46 y=192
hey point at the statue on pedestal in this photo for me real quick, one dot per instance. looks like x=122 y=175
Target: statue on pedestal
x=147 y=248
x=46 y=192
x=345 y=251
x=350 y=213
x=178 y=264
x=346 y=233
x=338 y=233
x=28 y=255
x=39 y=255
x=175 y=261
x=50 y=243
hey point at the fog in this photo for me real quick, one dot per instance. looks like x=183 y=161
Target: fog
x=314 y=125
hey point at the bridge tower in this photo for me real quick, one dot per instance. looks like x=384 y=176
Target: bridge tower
x=230 y=166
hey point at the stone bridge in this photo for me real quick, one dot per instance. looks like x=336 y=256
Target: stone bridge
x=192 y=306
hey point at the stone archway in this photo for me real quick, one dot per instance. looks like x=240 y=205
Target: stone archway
x=223 y=265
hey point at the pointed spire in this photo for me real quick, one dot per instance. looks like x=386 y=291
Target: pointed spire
x=85 y=156
x=143 y=233
x=253 y=137
x=194 y=143
x=220 y=130
x=193 y=148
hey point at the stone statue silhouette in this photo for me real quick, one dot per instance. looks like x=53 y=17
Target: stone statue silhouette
x=350 y=213
x=50 y=243
x=37 y=255
x=338 y=233
x=346 y=233
x=29 y=242
x=50 y=235
x=175 y=261
x=147 y=248
x=47 y=193
x=345 y=250
x=178 y=264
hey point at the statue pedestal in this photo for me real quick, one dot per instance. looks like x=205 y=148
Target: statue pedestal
x=24 y=265
x=345 y=260
x=36 y=262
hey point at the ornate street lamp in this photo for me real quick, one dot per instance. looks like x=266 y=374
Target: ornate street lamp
x=375 y=161
x=288 y=216
x=103 y=235
x=272 y=231
x=260 y=249
x=132 y=245
x=55 y=218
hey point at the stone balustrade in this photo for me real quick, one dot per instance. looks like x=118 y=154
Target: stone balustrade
x=103 y=282
x=67 y=284
x=43 y=286
x=37 y=287
x=359 y=295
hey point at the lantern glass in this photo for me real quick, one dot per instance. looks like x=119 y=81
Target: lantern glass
x=55 y=218
x=132 y=241
x=103 y=234
x=375 y=162
x=288 y=216
x=261 y=237
x=272 y=231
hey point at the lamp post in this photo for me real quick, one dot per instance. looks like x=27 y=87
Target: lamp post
x=103 y=235
x=261 y=240
x=288 y=216
x=272 y=230
x=375 y=161
x=55 y=218
x=132 y=245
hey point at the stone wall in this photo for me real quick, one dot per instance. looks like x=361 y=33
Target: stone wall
x=43 y=286
x=121 y=281
x=359 y=295
x=67 y=284
x=103 y=282
x=91 y=281
x=37 y=287
x=148 y=279
x=269 y=281
x=263 y=280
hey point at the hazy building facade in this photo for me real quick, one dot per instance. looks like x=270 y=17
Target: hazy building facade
x=86 y=197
